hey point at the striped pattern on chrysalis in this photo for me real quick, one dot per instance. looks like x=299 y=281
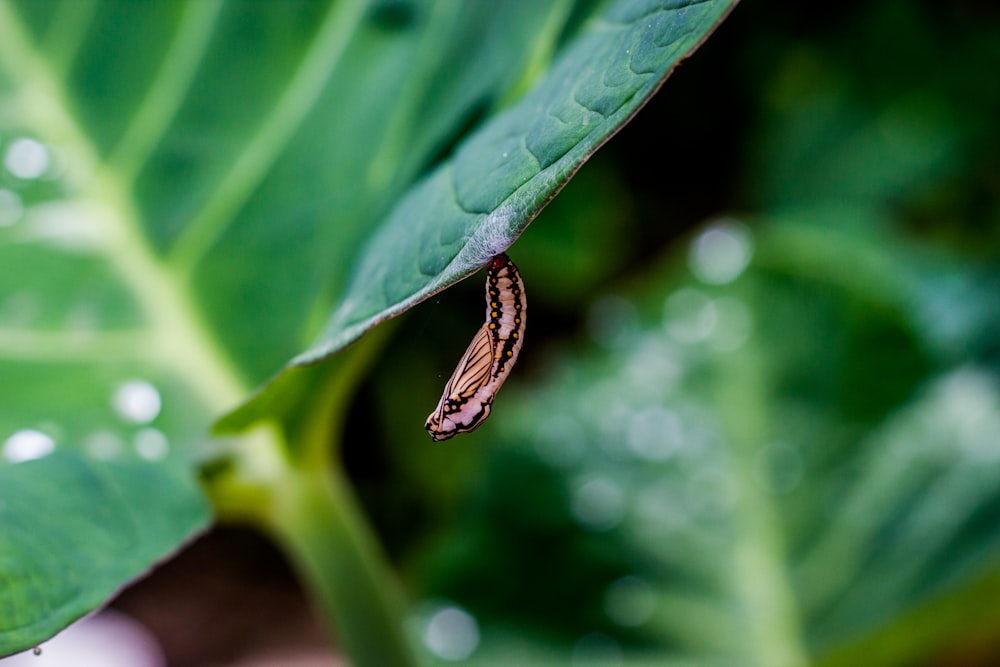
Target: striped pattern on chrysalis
x=469 y=394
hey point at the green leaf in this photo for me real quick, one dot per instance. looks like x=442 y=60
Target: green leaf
x=103 y=522
x=475 y=204
x=188 y=189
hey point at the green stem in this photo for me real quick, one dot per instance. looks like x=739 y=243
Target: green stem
x=319 y=524
x=285 y=480
x=759 y=572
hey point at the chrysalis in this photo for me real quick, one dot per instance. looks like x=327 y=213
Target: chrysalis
x=469 y=393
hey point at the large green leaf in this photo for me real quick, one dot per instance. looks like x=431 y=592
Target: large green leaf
x=476 y=203
x=188 y=190
x=76 y=526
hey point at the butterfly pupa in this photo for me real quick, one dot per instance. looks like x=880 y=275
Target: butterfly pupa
x=468 y=396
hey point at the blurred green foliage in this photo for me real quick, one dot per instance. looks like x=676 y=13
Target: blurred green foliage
x=800 y=465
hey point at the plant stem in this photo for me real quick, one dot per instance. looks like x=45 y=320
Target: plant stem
x=774 y=635
x=317 y=521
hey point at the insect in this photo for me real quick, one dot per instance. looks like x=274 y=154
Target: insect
x=469 y=394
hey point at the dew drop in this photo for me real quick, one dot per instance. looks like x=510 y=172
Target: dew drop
x=451 y=634
x=27 y=445
x=721 y=253
x=151 y=444
x=137 y=401
x=26 y=158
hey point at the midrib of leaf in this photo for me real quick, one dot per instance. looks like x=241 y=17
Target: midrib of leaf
x=252 y=164
x=164 y=97
x=760 y=577
x=177 y=337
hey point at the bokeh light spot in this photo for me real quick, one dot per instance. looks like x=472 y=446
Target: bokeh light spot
x=655 y=433
x=26 y=158
x=721 y=253
x=137 y=401
x=451 y=634
x=598 y=504
x=689 y=315
x=103 y=445
x=969 y=402
x=734 y=324
x=27 y=445
x=151 y=444
x=629 y=601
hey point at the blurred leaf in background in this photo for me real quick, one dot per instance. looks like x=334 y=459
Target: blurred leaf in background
x=748 y=466
x=778 y=443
